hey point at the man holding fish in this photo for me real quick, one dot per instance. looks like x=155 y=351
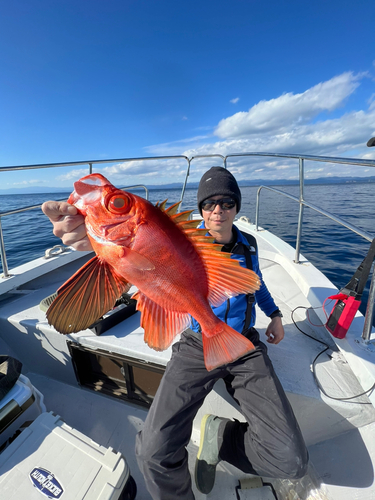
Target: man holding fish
x=225 y=347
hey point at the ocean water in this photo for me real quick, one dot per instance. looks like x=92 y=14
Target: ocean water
x=336 y=251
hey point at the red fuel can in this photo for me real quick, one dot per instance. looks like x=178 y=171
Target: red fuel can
x=342 y=314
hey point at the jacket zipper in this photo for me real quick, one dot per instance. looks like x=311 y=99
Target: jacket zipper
x=227 y=311
x=228 y=302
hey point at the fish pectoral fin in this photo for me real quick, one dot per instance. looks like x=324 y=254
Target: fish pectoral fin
x=136 y=259
x=223 y=345
x=86 y=296
x=160 y=325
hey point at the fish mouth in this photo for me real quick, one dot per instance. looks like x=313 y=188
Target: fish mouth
x=104 y=234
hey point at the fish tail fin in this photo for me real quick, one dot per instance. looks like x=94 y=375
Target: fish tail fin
x=223 y=345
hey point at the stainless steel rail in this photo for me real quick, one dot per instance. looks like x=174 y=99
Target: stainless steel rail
x=325 y=159
x=2 y=246
x=302 y=202
x=90 y=163
x=371 y=299
x=364 y=234
x=366 y=334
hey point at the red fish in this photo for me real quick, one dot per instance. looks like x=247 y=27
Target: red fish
x=177 y=269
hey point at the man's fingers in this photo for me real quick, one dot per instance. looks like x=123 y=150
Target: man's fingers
x=70 y=235
x=83 y=245
x=274 y=340
x=54 y=210
x=72 y=225
x=275 y=331
x=68 y=224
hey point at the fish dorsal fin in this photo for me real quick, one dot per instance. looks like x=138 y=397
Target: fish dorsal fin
x=182 y=216
x=226 y=277
x=191 y=233
x=172 y=210
x=201 y=244
x=181 y=219
x=177 y=217
x=160 y=325
x=206 y=239
x=188 y=224
x=199 y=237
x=161 y=205
x=91 y=292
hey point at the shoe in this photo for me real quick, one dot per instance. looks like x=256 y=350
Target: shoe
x=208 y=454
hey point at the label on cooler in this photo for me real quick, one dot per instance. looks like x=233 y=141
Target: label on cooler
x=46 y=483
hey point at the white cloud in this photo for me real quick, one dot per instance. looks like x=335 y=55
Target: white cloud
x=289 y=109
x=369 y=156
x=28 y=183
x=235 y=100
x=73 y=175
x=290 y=124
x=281 y=167
x=147 y=171
x=174 y=147
x=184 y=117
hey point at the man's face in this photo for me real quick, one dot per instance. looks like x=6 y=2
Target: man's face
x=219 y=220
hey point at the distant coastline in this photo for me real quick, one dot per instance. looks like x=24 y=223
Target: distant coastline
x=194 y=185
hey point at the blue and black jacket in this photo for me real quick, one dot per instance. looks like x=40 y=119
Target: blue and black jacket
x=233 y=311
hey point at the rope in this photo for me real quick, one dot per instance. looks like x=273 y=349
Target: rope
x=52 y=252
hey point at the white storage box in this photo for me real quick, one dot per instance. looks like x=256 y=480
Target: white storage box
x=52 y=460
x=18 y=408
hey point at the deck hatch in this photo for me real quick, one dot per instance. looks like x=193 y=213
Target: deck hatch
x=116 y=375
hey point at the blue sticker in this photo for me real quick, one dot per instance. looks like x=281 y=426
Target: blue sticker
x=46 y=483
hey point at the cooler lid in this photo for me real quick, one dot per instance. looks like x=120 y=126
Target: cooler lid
x=52 y=460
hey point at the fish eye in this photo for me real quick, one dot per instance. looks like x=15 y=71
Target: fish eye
x=118 y=204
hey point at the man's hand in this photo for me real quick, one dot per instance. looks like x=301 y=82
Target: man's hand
x=67 y=224
x=275 y=331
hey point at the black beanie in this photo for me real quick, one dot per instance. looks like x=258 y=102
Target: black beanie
x=218 y=180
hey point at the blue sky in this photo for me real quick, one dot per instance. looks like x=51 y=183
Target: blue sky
x=84 y=80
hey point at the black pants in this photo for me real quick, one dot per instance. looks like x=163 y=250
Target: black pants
x=269 y=444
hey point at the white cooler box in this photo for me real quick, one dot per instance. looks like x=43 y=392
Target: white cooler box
x=52 y=460
x=18 y=408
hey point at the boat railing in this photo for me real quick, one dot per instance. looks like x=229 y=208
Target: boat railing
x=225 y=160
x=366 y=334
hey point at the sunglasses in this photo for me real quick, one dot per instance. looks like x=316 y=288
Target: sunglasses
x=225 y=204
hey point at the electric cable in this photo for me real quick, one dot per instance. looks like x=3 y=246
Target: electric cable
x=327 y=347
